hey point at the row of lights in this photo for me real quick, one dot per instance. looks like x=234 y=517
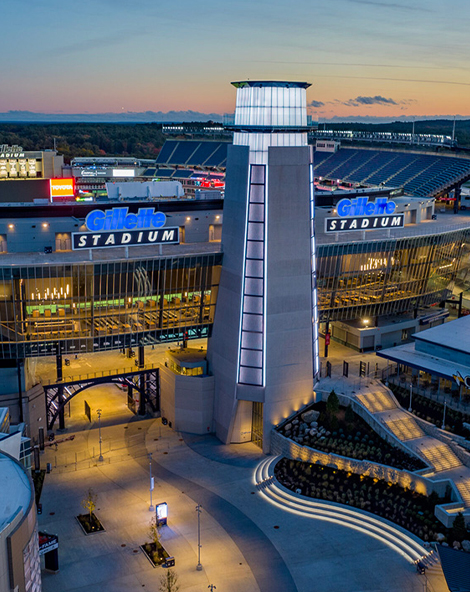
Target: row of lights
x=44 y=225
x=188 y=218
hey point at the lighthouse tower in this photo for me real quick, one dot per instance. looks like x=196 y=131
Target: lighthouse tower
x=264 y=347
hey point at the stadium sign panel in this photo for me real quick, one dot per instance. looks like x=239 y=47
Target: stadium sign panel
x=362 y=207
x=121 y=219
x=364 y=223
x=103 y=240
x=62 y=188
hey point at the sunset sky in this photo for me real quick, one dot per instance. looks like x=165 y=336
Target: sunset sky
x=363 y=57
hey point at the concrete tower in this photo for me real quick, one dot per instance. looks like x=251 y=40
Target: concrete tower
x=264 y=346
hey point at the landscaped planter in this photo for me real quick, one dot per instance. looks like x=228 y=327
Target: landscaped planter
x=90 y=526
x=408 y=509
x=155 y=553
x=346 y=434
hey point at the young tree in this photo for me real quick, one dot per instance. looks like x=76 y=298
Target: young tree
x=332 y=404
x=89 y=502
x=154 y=530
x=169 y=582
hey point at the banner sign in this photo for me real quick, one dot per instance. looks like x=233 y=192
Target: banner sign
x=62 y=188
x=101 y=240
x=364 y=223
x=47 y=542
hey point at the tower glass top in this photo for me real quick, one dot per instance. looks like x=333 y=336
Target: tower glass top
x=270 y=105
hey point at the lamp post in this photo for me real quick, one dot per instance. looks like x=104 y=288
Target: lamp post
x=411 y=396
x=98 y=411
x=151 y=508
x=198 y=510
x=444 y=416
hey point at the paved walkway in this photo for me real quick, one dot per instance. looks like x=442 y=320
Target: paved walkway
x=248 y=543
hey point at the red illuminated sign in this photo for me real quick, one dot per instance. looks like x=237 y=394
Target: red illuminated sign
x=62 y=188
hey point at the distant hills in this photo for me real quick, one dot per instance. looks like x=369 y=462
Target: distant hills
x=191 y=116
x=124 y=117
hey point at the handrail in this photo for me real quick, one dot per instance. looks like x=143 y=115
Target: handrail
x=101 y=374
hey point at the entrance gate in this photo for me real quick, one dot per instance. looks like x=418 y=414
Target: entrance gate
x=145 y=381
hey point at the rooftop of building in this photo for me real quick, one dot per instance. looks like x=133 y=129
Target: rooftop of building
x=454 y=335
x=15 y=492
x=270 y=83
x=108 y=255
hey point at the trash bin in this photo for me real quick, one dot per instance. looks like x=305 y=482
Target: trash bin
x=48 y=468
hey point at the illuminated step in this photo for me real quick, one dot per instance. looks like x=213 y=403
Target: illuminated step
x=400 y=541
x=377 y=401
x=464 y=490
x=440 y=457
x=404 y=428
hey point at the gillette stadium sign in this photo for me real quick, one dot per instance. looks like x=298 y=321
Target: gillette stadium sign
x=362 y=214
x=117 y=227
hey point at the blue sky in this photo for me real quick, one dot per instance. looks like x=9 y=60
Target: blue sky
x=364 y=57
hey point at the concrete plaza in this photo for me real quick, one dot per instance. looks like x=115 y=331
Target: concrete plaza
x=248 y=544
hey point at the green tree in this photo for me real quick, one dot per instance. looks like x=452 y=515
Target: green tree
x=169 y=582
x=332 y=404
x=459 y=531
x=349 y=415
x=89 y=502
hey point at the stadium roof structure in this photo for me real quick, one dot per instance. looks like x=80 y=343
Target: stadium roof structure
x=418 y=173
x=193 y=153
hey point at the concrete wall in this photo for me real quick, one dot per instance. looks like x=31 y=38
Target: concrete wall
x=288 y=320
x=289 y=359
x=29 y=235
x=187 y=401
x=370 y=338
x=290 y=449
x=441 y=351
x=222 y=351
x=34 y=412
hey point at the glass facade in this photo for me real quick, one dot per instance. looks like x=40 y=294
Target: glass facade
x=72 y=308
x=387 y=277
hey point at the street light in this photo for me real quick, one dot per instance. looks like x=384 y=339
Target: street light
x=444 y=417
x=411 y=396
x=151 y=508
x=198 y=510
x=98 y=411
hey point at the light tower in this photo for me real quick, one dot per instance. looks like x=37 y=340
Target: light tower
x=264 y=347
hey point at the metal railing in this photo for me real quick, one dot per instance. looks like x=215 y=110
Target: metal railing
x=101 y=374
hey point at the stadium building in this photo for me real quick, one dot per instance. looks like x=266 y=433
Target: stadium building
x=370 y=263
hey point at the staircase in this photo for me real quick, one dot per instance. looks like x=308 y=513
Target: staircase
x=464 y=489
x=404 y=428
x=439 y=455
x=377 y=401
